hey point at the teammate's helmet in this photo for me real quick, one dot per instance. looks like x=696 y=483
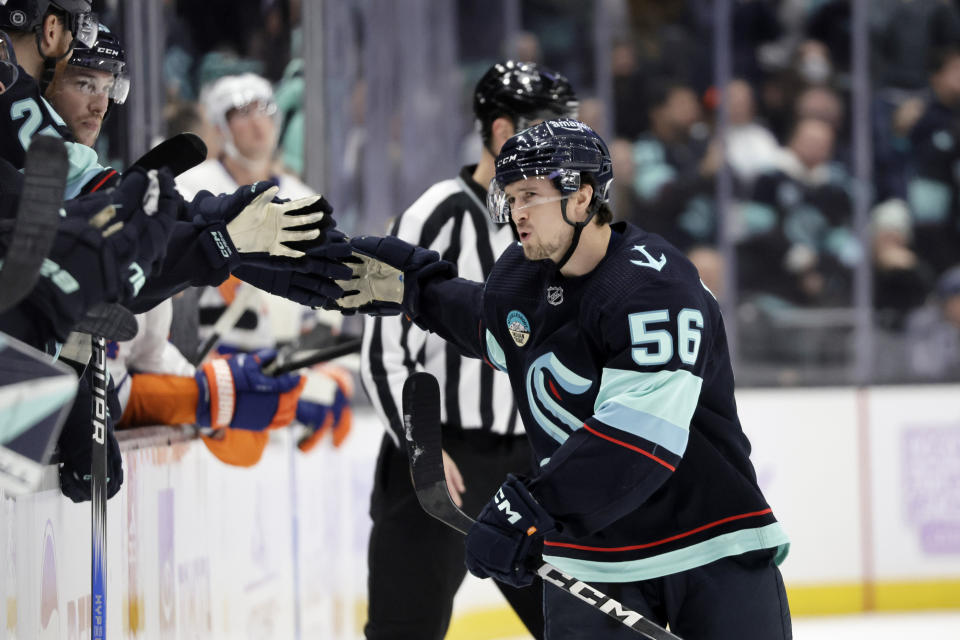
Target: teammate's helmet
x=523 y=92
x=236 y=92
x=106 y=54
x=561 y=150
x=27 y=15
x=8 y=63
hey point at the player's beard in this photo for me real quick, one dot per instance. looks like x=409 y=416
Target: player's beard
x=555 y=246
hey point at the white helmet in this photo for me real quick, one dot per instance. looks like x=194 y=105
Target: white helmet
x=234 y=92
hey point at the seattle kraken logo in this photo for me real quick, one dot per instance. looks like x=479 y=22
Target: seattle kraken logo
x=650 y=261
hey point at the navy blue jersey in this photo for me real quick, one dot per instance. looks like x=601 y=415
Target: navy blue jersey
x=25 y=113
x=624 y=383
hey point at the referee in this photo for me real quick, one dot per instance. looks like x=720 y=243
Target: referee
x=416 y=563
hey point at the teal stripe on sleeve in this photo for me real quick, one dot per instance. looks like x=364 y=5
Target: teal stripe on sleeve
x=640 y=423
x=723 y=546
x=655 y=405
x=495 y=353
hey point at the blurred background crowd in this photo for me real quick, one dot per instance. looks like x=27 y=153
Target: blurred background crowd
x=816 y=188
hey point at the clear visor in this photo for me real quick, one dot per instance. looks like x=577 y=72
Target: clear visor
x=85 y=28
x=8 y=63
x=115 y=86
x=501 y=205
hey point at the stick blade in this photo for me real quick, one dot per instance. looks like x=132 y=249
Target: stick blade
x=38 y=218
x=421 y=425
x=180 y=153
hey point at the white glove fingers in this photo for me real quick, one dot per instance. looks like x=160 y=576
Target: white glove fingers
x=298 y=236
x=287 y=252
x=290 y=220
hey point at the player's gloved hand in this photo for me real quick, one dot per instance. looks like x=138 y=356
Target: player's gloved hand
x=325 y=406
x=506 y=541
x=260 y=228
x=315 y=287
x=234 y=392
x=74 y=444
x=386 y=276
x=105 y=248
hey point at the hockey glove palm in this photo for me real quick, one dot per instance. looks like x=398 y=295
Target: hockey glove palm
x=264 y=230
x=506 y=541
x=386 y=276
x=234 y=392
x=325 y=406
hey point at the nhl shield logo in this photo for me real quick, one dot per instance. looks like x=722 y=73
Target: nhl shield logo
x=519 y=327
x=555 y=295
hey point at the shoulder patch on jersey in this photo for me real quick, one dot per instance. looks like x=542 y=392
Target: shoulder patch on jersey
x=649 y=261
x=519 y=327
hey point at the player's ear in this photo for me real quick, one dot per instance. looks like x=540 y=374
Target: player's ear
x=501 y=130
x=52 y=35
x=582 y=198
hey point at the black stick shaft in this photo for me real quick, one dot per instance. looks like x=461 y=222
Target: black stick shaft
x=322 y=355
x=98 y=492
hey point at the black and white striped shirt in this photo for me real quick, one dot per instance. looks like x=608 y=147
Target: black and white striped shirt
x=450 y=218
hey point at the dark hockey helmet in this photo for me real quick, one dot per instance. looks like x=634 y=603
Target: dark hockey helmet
x=107 y=55
x=27 y=15
x=560 y=150
x=523 y=92
x=8 y=63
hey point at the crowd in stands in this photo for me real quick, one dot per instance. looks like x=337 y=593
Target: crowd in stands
x=788 y=146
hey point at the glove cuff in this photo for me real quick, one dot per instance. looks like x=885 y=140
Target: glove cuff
x=218 y=249
x=217 y=398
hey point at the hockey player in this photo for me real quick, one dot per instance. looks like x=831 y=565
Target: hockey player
x=94 y=79
x=484 y=439
x=618 y=360
x=203 y=250
x=244 y=113
x=231 y=399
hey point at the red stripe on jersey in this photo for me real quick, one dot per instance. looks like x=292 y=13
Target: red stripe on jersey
x=631 y=447
x=665 y=540
x=553 y=390
x=105 y=178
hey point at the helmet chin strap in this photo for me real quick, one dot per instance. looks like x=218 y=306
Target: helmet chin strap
x=577 y=230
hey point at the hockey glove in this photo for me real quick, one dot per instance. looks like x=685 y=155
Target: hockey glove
x=234 y=392
x=315 y=288
x=386 y=276
x=506 y=541
x=260 y=228
x=105 y=248
x=325 y=406
x=74 y=444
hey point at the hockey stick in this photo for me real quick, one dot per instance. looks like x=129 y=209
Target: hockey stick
x=344 y=345
x=179 y=153
x=98 y=493
x=38 y=217
x=421 y=423
x=227 y=320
